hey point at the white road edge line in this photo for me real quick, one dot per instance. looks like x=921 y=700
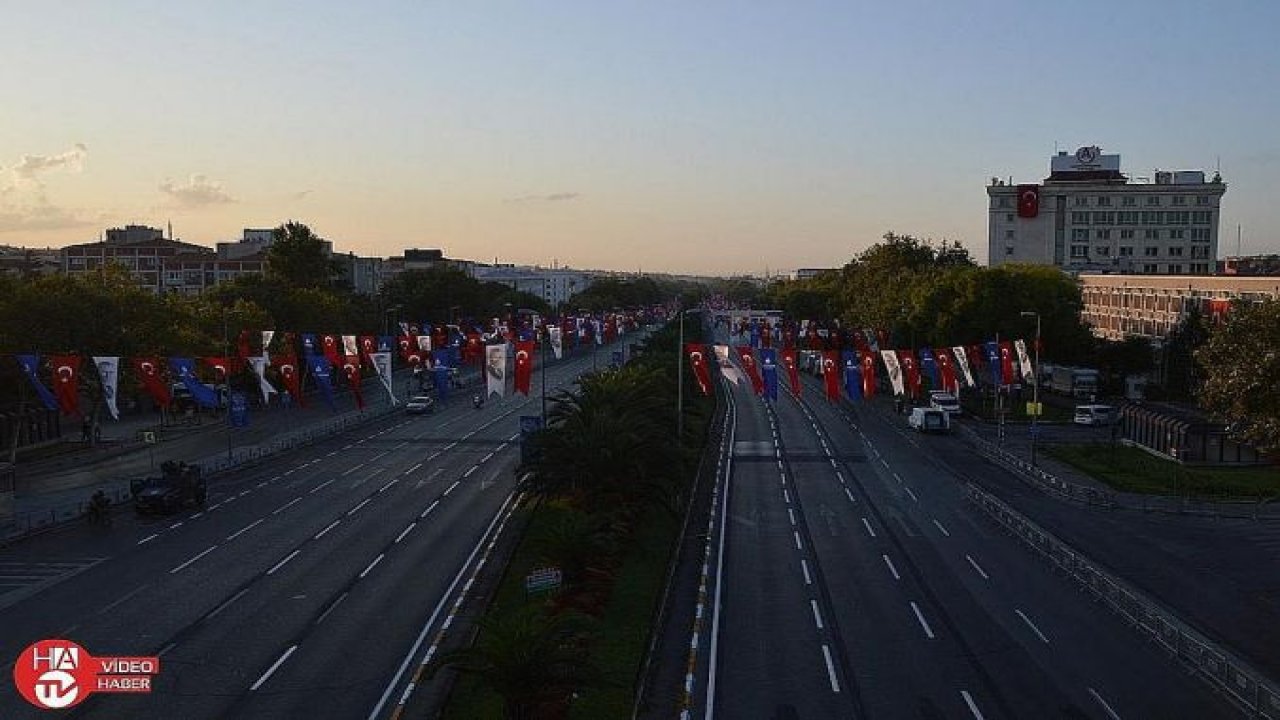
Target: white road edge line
x=1105 y=705
x=187 y=563
x=246 y=528
x=407 y=530
x=1031 y=625
x=320 y=534
x=973 y=708
x=226 y=603
x=148 y=538
x=817 y=616
x=280 y=564
x=867 y=525
x=892 y=569
x=804 y=566
x=944 y=530
x=974 y=563
x=831 y=668
x=329 y=609
x=373 y=564
x=274 y=666
x=928 y=631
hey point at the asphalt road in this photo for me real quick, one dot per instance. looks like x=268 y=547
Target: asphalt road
x=858 y=582
x=301 y=587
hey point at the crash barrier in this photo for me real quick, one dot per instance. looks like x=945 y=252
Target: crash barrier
x=1249 y=508
x=1214 y=663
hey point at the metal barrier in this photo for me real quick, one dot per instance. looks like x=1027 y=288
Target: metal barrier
x=1227 y=673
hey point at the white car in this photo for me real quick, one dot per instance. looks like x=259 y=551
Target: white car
x=420 y=405
x=929 y=420
x=945 y=402
x=1094 y=415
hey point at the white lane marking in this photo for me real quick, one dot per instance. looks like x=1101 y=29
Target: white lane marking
x=913 y=495
x=197 y=557
x=472 y=469
x=450 y=446
x=786 y=496
x=897 y=477
x=379 y=455
x=867 y=525
x=331 y=453
x=412 y=469
x=148 y=538
x=433 y=456
x=246 y=529
x=796 y=535
x=944 y=530
x=176 y=525
x=850 y=494
x=831 y=668
x=430 y=507
x=286 y=506
x=126 y=597
x=213 y=507
x=407 y=530
x=973 y=707
x=372 y=564
x=274 y=666
x=321 y=486
x=384 y=487
x=486 y=458
x=193 y=517
x=264 y=482
x=166 y=649
x=833 y=462
x=226 y=604
x=974 y=563
x=245 y=492
x=817 y=616
x=355 y=509
x=892 y=569
x=791 y=514
x=353 y=469
x=840 y=477
x=885 y=463
x=928 y=631
x=280 y=564
x=329 y=609
x=1105 y=705
x=451 y=487
x=320 y=534
x=1031 y=625
x=804 y=566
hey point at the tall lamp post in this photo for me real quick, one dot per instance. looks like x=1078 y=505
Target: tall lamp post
x=1035 y=388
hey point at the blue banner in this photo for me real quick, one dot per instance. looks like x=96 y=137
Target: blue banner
x=442 y=360
x=993 y=362
x=386 y=343
x=185 y=370
x=755 y=334
x=239 y=409
x=30 y=364
x=852 y=374
x=929 y=365
x=769 y=371
x=319 y=366
x=308 y=344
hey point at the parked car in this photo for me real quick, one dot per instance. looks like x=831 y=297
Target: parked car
x=178 y=486
x=945 y=402
x=1094 y=415
x=420 y=405
x=929 y=419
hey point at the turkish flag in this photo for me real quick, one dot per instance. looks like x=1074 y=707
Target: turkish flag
x=220 y=366
x=748 y=360
x=868 y=360
x=793 y=372
x=288 y=367
x=524 y=366
x=148 y=369
x=473 y=350
x=831 y=374
x=911 y=371
x=947 y=368
x=66 y=382
x=409 y=349
x=242 y=345
x=1006 y=362
x=351 y=369
x=1028 y=201
x=698 y=359
x=330 y=345
x=368 y=346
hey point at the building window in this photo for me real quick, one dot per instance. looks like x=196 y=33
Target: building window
x=1008 y=217
x=1104 y=234
x=1176 y=234
x=1202 y=199
x=1079 y=251
x=1199 y=251
x=1178 y=218
x=1153 y=199
x=1008 y=234
x=1151 y=251
x=1081 y=201
x=1126 y=234
x=1128 y=201
x=1175 y=269
x=1150 y=234
x=1179 y=199
x=1126 y=250
x=1175 y=251
x=1104 y=201
x=1200 y=268
x=1079 y=218
x=1002 y=202
x=1008 y=250
x=1080 y=234
x=1149 y=268
x=1102 y=250
x=1202 y=217
x=1200 y=234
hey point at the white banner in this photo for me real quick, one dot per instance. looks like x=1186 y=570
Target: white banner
x=382 y=365
x=895 y=371
x=266 y=343
x=870 y=336
x=1028 y=372
x=556 y=346
x=259 y=365
x=349 y=346
x=727 y=368
x=495 y=369
x=962 y=359
x=598 y=327
x=109 y=372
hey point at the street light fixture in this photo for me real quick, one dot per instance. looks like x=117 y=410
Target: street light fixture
x=1035 y=387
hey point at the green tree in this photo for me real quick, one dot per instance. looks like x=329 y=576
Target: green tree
x=1242 y=373
x=1123 y=358
x=300 y=258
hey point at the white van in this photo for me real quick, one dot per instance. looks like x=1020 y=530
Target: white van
x=1094 y=415
x=924 y=419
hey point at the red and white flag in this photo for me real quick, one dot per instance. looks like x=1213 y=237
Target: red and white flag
x=1006 y=362
x=351 y=369
x=148 y=369
x=911 y=370
x=868 y=360
x=330 y=345
x=748 y=360
x=698 y=359
x=524 y=366
x=288 y=367
x=831 y=366
x=788 y=355
x=66 y=382
x=947 y=368
x=368 y=346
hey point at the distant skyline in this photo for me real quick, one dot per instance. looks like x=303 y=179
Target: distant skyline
x=704 y=138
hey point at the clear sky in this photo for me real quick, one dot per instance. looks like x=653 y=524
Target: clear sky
x=708 y=137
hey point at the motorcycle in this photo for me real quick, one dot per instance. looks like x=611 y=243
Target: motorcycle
x=477 y=401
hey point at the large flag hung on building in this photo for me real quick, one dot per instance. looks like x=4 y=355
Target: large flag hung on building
x=524 y=366
x=946 y=369
x=319 y=367
x=788 y=356
x=109 y=376
x=868 y=360
x=831 y=374
x=30 y=364
x=727 y=368
x=259 y=365
x=288 y=367
x=148 y=369
x=66 y=382
x=891 y=366
x=852 y=374
x=1006 y=362
x=351 y=371
x=1028 y=201
x=769 y=372
x=1024 y=361
x=184 y=369
x=495 y=369
x=747 y=358
x=698 y=360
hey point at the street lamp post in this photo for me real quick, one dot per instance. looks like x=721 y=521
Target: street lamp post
x=1035 y=387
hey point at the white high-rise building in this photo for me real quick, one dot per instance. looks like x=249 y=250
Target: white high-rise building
x=1088 y=217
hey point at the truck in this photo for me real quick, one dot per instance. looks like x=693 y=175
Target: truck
x=1074 y=381
x=178 y=485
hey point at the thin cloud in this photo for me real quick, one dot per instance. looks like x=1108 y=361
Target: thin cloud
x=553 y=197
x=39 y=216
x=301 y=195
x=199 y=191
x=30 y=166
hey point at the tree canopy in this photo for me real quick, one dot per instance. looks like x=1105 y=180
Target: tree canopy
x=1242 y=373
